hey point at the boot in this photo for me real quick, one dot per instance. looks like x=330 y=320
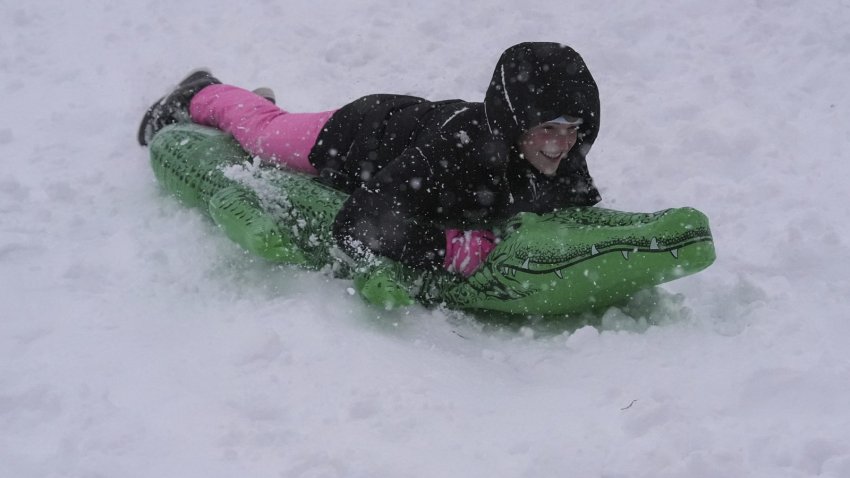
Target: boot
x=174 y=107
x=265 y=92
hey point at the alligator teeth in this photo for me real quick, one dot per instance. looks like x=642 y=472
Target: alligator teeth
x=675 y=253
x=654 y=244
x=593 y=250
x=559 y=274
x=625 y=255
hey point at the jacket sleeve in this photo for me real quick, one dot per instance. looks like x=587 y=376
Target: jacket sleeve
x=393 y=214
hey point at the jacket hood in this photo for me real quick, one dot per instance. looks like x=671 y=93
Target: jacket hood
x=537 y=82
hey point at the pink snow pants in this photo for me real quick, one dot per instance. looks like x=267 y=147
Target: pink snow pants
x=260 y=127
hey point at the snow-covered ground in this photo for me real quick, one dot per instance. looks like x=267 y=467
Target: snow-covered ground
x=137 y=341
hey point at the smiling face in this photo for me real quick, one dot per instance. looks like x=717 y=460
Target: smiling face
x=545 y=145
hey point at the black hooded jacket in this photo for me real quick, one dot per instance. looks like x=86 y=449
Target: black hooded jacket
x=415 y=167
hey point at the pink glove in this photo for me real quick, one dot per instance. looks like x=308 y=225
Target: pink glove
x=466 y=250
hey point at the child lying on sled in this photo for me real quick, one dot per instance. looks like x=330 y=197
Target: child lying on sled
x=425 y=178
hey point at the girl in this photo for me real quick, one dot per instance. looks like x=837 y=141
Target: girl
x=425 y=178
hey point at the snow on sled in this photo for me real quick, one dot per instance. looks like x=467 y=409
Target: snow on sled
x=566 y=262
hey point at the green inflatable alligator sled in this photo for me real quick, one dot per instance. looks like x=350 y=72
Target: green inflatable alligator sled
x=566 y=262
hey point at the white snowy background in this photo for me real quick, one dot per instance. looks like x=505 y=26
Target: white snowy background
x=137 y=341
